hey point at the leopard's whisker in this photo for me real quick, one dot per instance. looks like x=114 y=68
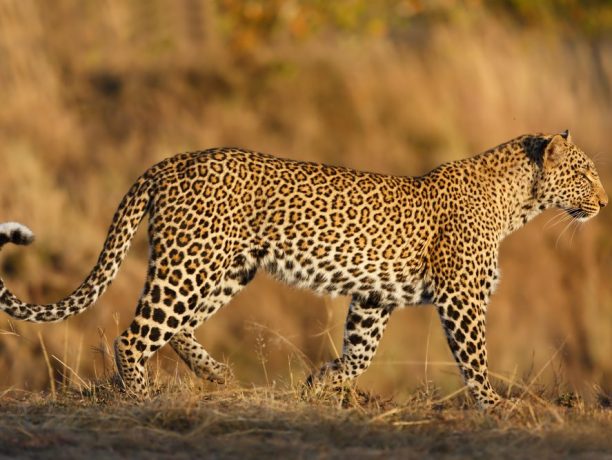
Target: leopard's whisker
x=577 y=225
x=599 y=159
x=565 y=228
x=559 y=217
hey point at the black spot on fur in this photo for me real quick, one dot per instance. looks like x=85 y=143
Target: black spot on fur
x=179 y=308
x=154 y=334
x=260 y=253
x=426 y=296
x=19 y=237
x=246 y=276
x=155 y=294
x=159 y=316
x=368 y=322
x=459 y=336
x=373 y=300
x=534 y=147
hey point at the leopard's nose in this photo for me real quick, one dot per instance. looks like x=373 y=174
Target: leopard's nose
x=603 y=201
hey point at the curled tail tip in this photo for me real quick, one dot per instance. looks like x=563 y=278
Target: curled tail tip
x=13 y=232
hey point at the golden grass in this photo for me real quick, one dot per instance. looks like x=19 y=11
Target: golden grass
x=188 y=419
x=93 y=93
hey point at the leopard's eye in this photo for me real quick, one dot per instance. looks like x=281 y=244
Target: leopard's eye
x=588 y=175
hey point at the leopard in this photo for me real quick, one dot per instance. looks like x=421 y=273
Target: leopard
x=217 y=217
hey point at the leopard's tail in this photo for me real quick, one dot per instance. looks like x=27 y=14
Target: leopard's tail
x=125 y=223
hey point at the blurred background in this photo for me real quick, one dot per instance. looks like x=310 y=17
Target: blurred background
x=94 y=92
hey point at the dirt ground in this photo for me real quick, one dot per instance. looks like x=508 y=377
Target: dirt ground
x=265 y=422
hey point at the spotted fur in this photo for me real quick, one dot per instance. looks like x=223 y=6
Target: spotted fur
x=216 y=217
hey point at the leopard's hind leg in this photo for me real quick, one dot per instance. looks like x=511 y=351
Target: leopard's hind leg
x=362 y=333
x=197 y=358
x=169 y=301
x=185 y=343
x=159 y=315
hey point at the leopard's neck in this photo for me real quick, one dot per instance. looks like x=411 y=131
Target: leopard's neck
x=510 y=178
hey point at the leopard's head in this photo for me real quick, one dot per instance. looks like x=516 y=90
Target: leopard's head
x=567 y=178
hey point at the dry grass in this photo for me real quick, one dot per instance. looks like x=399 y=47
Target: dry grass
x=188 y=420
x=187 y=417
x=93 y=93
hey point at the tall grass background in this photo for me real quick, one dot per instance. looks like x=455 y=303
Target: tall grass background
x=94 y=92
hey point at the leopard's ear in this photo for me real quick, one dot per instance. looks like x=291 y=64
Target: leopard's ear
x=554 y=151
x=567 y=136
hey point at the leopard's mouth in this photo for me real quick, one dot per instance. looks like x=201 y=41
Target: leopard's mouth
x=582 y=213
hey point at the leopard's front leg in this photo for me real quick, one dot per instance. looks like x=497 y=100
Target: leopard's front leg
x=463 y=320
